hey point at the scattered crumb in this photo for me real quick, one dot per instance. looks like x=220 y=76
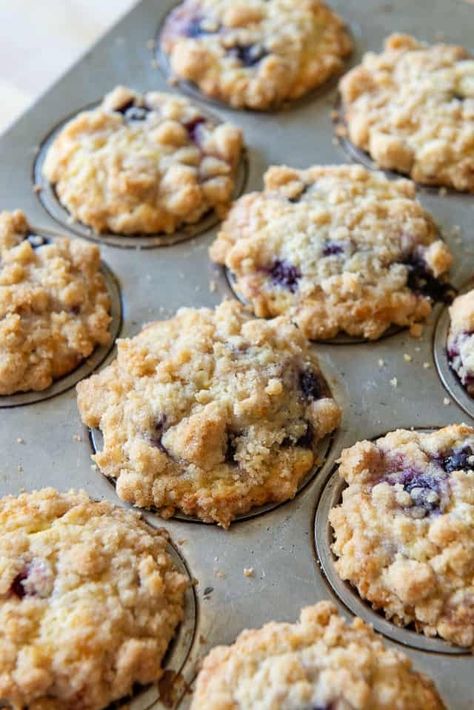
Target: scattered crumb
x=248 y=572
x=407 y=357
x=394 y=382
x=426 y=365
x=94 y=467
x=219 y=574
x=334 y=141
x=334 y=114
x=340 y=130
x=381 y=362
x=76 y=437
x=442 y=191
x=37 y=188
x=212 y=286
x=150 y=44
x=416 y=330
x=19 y=468
x=417 y=349
x=20 y=440
x=446 y=401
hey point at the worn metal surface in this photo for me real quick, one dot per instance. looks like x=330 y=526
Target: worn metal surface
x=374 y=384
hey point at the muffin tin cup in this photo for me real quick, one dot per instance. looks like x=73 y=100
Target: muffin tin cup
x=330 y=497
x=267 y=566
x=50 y=201
x=447 y=375
x=87 y=366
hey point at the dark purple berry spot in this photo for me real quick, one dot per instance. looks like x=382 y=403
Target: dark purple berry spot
x=156 y=435
x=424 y=491
x=37 y=241
x=193 y=128
x=421 y=281
x=310 y=384
x=248 y=54
x=458 y=460
x=285 y=274
x=333 y=249
x=75 y=310
x=16 y=586
x=306 y=440
x=297 y=198
x=132 y=113
x=195 y=28
x=231 y=448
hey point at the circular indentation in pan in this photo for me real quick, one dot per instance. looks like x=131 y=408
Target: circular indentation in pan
x=88 y=365
x=447 y=375
x=50 y=201
x=323 y=451
x=228 y=282
x=331 y=496
x=176 y=655
x=193 y=91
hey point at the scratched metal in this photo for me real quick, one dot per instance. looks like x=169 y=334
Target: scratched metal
x=279 y=544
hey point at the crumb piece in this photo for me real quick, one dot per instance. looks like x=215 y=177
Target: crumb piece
x=442 y=192
x=76 y=437
x=416 y=330
x=248 y=572
x=446 y=401
x=426 y=365
x=219 y=574
x=37 y=188
x=93 y=467
x=212 y=286
x=381 y=362
x=394 y=382
x=20 y=440
x=150 y=44
x=417 y=349
x=341 y=130
x=407 y=357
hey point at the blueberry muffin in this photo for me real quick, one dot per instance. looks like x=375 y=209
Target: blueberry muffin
x=460 y=344
x=89 y=601
x=54 y=305
x=320 y=662
x=412 y=109
x=336 y=248
x=209 y=413
x=142 y=164
x=253 y=53
x=404 y=532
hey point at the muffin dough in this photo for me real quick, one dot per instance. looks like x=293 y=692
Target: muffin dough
x=209 y=413
x=336 y=248
x=253 y=53
x=54 y=305
x=412 y=109
x=89 y=601
x=460 y=343
x=143 y=164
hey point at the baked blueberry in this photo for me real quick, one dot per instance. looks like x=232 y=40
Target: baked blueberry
x=285 y=274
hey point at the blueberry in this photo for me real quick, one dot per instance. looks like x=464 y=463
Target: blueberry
x=297 y=198
x=458 y=460
x=248 y=54
x=195 y=29
x=421 y=281
x=424 y=490
x=285 y=274
x=310 y=384
x=332 y=249
x=16 y=587
x=37 y=241
x=156 y=435
x=133 y=113
x=193 y=128
x=231 y=448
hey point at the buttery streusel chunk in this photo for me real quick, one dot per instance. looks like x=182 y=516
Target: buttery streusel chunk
x=142 y=164
x=89 y=601
x=404 y=533
x=54 y=305
x=209 y=413
x=412 y=109
x=253 y=53
x=320 y=662
x=336 y=248
x=460 y=345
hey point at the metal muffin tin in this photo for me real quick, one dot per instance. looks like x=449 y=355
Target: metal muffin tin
x=44 y=443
